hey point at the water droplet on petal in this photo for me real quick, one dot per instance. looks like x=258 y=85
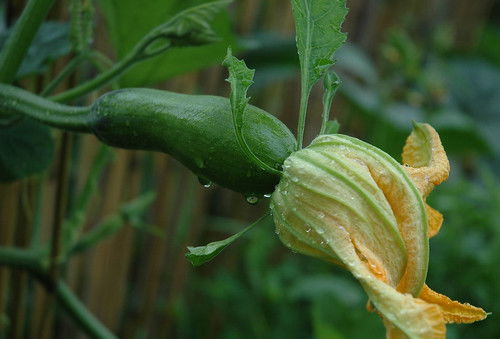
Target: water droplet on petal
x=267 y=195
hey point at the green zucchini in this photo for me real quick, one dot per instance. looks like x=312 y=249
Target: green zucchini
x=197 y=130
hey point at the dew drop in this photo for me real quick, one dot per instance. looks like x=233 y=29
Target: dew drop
x=267 y=195
x=205 y=182
x=295 y=179
x=252 y=199
x=308 y=229
x=320 y=231
x=321 y=215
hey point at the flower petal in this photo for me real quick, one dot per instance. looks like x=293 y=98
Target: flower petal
x=435 y=220
x=424 y=158
x=401 y=195
x=413 y=317
x=453 y=311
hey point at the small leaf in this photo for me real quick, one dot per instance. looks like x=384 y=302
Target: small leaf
x=202 y=254
x=318 y=33
x=26 y=148
x=241 y=78
x=332 y=127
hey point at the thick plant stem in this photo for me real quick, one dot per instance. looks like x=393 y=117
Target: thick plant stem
x=14 y=100
x=30 y=261
x=16 y=46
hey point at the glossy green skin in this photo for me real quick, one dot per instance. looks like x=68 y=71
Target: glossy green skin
x=198 y=131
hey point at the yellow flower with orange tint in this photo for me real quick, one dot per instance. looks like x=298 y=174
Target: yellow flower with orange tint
x=348 y=202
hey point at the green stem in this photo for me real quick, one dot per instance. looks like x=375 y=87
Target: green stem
x=29 y=260
x=94 y=84
x=67 y=71
x=76 y=310
x=331 y=83
x=304 y=98
x=19 y=40
x=100 y=61
x=15 y=100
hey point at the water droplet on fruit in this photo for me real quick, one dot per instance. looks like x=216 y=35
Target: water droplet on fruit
x=252 y=199
x=205 y=182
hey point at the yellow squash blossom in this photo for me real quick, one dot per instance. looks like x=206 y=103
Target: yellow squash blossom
x=348 y=202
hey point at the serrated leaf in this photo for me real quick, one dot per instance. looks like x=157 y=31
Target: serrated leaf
x=202 y=254
x=26 y=148
x=318 y=34
x=241 y=78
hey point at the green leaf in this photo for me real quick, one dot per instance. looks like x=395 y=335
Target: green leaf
x=202 y=254
x=318 y=34
x=153 y=17
x=241 y=78
x=50 y=43
x=26 y=148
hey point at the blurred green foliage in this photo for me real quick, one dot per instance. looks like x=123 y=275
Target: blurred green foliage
x=127 y=25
